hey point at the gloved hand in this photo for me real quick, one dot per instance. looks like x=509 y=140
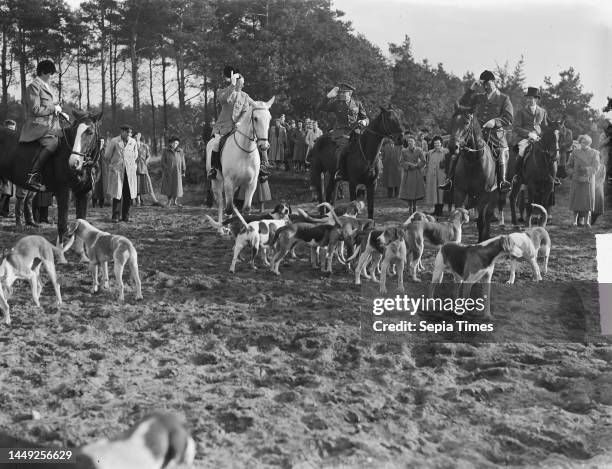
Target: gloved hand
x=65 y=116
x=58 y=108
x=363 y=122
x=532 y=135
x=489 y=124
x=333 y=93
x=233 y=78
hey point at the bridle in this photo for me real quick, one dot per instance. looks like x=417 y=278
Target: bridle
x=90 y=156
x=467 y=132
x=253 y=137
x=385 y=130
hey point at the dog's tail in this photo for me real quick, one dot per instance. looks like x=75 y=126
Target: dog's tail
x=241 y=218
x=308 y=218
x=213 y=223
x=544 y=213
x=356 y=252
x=274 y=239
x=329 y=207
x=59 y=251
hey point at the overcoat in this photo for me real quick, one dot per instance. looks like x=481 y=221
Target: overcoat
x=40 y=113
x=121 y=159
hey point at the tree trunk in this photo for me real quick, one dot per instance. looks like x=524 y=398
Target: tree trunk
x=154 y=128
x=5 y=78
x=87 y=85
x=79 y=81
x=135 y=90
x=102 y=60
x=180 y=80
x=164 y=94
x=205 y=99
x=23 y=58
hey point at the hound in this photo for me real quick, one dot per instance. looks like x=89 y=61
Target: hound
x=420 y=216
x=316 y=235
x=529 y=245
x=393 y=241
x=159 y=441
x=437 y=233
x=233 y=225
x=23 y=262
x=469 y=264
x=370 y=253
x=100 y=247
x=256 y=235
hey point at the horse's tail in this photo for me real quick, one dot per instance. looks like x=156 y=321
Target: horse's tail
x=240 y=217
x=331 y=211
x=544 y=213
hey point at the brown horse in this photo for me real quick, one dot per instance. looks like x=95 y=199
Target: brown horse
x=539 y=170
x=475 y=175
x=361 y=165
x=69 y=169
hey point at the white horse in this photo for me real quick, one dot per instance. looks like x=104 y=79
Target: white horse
x=240 y=160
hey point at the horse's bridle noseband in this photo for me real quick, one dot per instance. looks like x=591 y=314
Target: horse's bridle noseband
x=254 y=137
x=88 y=158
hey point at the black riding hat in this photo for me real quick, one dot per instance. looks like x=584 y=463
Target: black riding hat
x=487 y=75
x=45 y=66
x=227 y=71
x=345 y=87
x=533 y=93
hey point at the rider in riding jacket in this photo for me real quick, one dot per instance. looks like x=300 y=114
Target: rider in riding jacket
x=234 y=102
x=495 y=115
x=350 y=116
x=41 y=121
x=528 y=126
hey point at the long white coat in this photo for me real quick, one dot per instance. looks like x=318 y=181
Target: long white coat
x=121 y=159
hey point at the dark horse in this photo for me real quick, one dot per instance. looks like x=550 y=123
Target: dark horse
x=475 y=175
x=608 y=133
x=361 y=165
x=69 y=169
x=539 y=170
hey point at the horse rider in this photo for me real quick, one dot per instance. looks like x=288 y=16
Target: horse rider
x=234 y=102
x=528 y=127
x=351 y=117
x=41 y=122
x=495 y=115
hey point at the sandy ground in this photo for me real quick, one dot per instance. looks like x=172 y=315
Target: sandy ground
x=281 y=372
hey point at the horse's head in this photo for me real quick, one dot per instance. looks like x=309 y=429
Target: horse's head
x=549 y=143
x=608 y=107
x=388 y=123
x=260 y=122
x=84 y=139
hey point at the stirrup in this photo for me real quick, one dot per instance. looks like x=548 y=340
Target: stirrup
x=557 y=182
x=338 y=177
x=505 y=186
x=212 y=174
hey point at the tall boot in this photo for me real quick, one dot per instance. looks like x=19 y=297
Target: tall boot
x=390 y=192
x=448 y=184
x=340 y=172
x=27 y=212
x=214 y=164
x=518 y=172
x=34 y=181
x=4 y=205
x=438 y=210
x=504 y=186
x=116 y=210
x=18 y=211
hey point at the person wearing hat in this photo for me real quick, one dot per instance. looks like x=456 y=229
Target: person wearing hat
x=528 y=126
x=41 y=122
x=234 y=102
x=350 y=116
x=10 y=124
x=495 y=115
x=121 y=154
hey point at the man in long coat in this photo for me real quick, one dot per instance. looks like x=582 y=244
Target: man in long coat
x=121 y=154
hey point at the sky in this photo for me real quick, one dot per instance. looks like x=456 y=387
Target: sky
x=474 y=35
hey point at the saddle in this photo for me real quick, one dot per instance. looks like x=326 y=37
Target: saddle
x=222 y=141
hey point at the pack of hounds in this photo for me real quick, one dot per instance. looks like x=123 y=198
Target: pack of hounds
x=368 y=250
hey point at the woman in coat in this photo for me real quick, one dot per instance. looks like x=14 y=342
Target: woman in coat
x=391 y=170
x=173 y=170
x=121 y=154
x=145 y=186
x=278 y=143
x=583 y=165
x=412 y=161
x=436 y=175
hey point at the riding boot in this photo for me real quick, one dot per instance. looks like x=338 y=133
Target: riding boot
x=448 y=184
x=519 y=169
x=4 y=205
x=438 y=210
x=504 y=186
x=34 y=181
x=27 y=213
x=116 y=210
x=340 y=175
x=390 y=192
x=18 y=211
x=214 y=164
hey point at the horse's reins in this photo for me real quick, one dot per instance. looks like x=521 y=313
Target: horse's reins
x=386 y=133
x=253 y=138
